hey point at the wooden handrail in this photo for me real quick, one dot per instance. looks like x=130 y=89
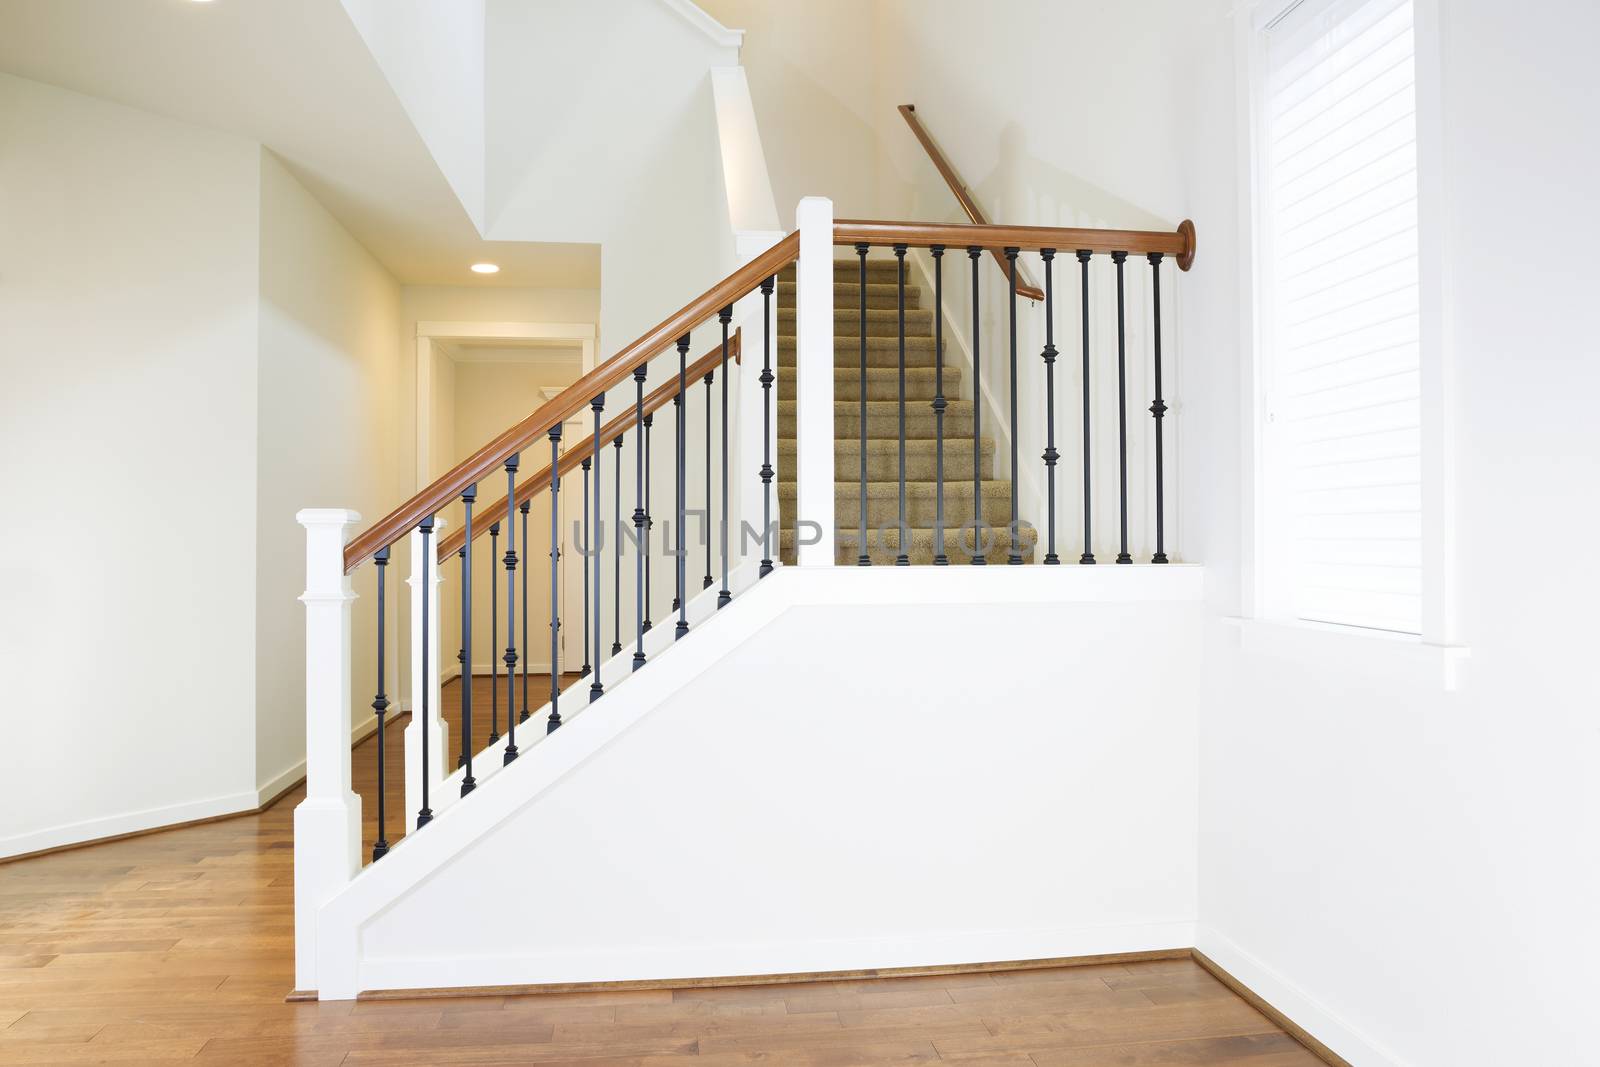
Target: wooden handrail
x=1025 y=286
x=1179 y=243
x=448 y=486
x=573 y=457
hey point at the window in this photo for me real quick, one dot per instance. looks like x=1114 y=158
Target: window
x=1340 y=320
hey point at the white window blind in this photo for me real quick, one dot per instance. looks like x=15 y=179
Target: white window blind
x=1341 y=304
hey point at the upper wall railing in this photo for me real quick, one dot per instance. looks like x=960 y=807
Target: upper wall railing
x=1025 y=286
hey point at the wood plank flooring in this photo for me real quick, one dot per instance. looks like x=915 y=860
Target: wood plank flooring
x=177 y=947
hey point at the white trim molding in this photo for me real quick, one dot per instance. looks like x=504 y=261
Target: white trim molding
x=700 y=19
x=1308 y=1013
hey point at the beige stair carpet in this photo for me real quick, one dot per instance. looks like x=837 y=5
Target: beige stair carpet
x=965 y=455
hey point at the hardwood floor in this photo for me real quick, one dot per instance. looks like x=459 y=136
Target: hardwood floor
x=177 y=947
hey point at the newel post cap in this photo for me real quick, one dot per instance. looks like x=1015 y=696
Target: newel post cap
x=309 y=517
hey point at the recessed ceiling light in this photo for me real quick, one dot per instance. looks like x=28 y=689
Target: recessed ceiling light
x=485 y=268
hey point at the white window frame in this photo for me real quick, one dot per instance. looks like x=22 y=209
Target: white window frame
x=1259 y=577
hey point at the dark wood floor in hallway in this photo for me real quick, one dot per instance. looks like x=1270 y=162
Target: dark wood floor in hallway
x=177 y=947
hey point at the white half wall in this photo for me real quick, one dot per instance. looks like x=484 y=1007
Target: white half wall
x=128 y=423
x=796 y=786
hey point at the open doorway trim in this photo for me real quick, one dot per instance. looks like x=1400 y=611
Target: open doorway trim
x=564 y=334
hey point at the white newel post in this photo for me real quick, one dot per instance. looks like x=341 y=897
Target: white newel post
x=433 y=722
x=814 y=382
x=327 y=823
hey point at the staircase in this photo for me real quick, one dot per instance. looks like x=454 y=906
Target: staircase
x=883 y=433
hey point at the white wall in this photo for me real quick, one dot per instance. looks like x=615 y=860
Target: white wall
x=328 y=416
x=433 y=57
x=128 y=332
x=851 y=817
x=1415 y=871
x=630 y=158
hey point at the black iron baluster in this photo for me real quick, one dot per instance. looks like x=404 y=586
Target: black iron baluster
x=766 y=426
x=526 y=633
x=425 y=814
x=638 y=519
x=1158 y=411
x=1049 y=357
x=461 y=654
x=724 y=595
x=511 y=610
x=553 y=721
x=1119 y=258
x=1015 y=557
x=616 y=567
x=649 y=520
x=863 y=557
x=680 y=603
x=903 y=558
x=1084 y=256
x=710 y=375
x=939 y=405
x=978 y=547
x=597 y=405
x=588 y=549
x=380 y=705
x=468 y=783
x=494 y=635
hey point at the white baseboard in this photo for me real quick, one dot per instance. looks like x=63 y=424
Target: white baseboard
x=646 y=964
x=130 y=822
x=1295 y=1003
x=366 y=726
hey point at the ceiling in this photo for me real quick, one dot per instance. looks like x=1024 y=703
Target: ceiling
x=295 y=76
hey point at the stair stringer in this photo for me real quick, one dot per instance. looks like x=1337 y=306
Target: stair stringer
x=1021 y=857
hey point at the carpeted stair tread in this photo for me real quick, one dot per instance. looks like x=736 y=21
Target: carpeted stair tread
x=883 y=502
x=883 y=458
x=883 y=383
x=882 y=351
x=880 y=321
x=880 y=294
x=958 y=546
x=883 y=420
x=848 y=270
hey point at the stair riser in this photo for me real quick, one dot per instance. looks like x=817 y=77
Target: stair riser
x=920 y=424
x=921 y=508
x=881 y=351
x=882 y=322
x=885 y=384
x=883 y=461
x=848 y=270
x=848 y=295
x=883 y=549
